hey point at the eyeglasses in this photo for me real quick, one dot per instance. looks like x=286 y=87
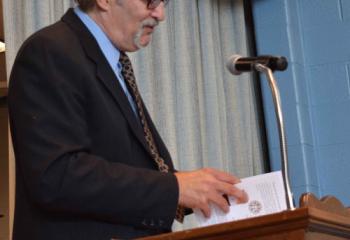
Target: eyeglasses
x=152 y=4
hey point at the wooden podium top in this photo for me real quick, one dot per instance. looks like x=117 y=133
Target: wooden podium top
x=311 y=221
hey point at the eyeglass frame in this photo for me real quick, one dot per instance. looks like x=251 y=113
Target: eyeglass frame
x=153 y=4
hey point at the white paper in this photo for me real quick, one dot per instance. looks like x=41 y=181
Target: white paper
x=266 y=195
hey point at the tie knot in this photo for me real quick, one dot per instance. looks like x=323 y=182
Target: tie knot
x=124 y=59
x=126 y=65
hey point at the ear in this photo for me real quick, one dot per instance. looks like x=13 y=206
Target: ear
x=103 y=5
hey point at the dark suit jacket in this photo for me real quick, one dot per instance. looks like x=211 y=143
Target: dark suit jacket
x=83 y=169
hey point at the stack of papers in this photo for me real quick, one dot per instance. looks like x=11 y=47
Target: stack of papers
x=266 y=195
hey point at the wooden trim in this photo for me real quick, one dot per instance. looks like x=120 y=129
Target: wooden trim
x=279 y=224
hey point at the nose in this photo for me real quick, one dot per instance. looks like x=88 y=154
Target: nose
x=159 y=12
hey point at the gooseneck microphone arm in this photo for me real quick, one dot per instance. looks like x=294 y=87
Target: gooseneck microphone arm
x=282 y=137
x=266 y=64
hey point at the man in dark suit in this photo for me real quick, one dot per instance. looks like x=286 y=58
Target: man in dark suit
x=89 y=162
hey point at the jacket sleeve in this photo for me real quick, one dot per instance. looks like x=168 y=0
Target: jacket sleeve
x=52 y=145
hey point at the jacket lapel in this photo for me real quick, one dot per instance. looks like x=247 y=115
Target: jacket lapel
x=104 y=73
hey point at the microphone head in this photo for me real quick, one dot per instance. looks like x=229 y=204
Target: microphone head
x=281 y=63
x=231 y=64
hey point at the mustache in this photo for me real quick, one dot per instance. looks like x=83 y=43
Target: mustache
x=149 y=22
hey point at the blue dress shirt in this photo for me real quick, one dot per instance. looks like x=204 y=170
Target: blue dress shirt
x=111 y=53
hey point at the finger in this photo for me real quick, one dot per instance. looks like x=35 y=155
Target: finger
x=226 y=188
x=205 y=208
x=239 y=195
x=220 y=201
x=233 y=191
x=244 y=198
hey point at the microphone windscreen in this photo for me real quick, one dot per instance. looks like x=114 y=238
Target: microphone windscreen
x=231 y=64
x=281 y=64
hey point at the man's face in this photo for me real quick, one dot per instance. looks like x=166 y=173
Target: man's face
x=129 y=23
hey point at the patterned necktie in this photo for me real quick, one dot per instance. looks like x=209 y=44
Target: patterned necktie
x=129 y=78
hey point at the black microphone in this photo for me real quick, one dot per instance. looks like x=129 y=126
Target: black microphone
x=237 y=64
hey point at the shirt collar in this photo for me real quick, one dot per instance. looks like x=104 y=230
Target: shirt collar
x=111 y=53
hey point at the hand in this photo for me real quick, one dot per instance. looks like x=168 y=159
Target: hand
x=197 y=189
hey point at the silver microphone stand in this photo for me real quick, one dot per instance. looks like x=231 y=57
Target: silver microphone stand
x=282 y=137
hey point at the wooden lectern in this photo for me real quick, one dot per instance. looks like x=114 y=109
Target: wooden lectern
x=325 y=219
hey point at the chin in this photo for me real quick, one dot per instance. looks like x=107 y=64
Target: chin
x=144 y=44
x=142 y=41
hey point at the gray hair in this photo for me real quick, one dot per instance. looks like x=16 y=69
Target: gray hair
x=86 y=5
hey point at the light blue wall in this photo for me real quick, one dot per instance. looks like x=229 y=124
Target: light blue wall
x=315 y=90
